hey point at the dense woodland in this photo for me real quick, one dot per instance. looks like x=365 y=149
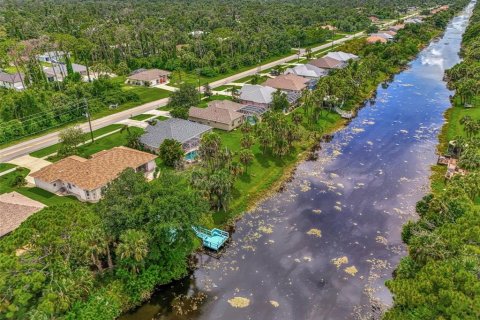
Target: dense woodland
x=95 y=261
x=440 y=277
x=203 y=38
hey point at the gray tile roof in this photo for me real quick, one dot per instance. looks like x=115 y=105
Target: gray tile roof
x=177 y=129
x=61 y=69
x=257 y=93
x=11 y=78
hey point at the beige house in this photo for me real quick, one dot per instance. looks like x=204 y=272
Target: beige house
x=288 y=82
x=220 y=114
x=150 y=77
x=14 y=209
x=87 y=178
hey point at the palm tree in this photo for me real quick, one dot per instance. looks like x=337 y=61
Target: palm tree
x=246 y=157
x=133 y=248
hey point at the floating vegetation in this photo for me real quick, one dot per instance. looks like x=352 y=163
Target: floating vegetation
x=315 y=232
x=317 y=211
x=338 y=208
x=239 y=302
x=339 y=261
x=274 y=303
x=352 y=270
x=265 y=229
x=381 y=240
x=183 y=304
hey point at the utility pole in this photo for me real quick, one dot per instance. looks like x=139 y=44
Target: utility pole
x=88 y=116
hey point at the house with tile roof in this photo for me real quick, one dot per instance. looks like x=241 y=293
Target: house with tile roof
x=376 y=39
x=148 y=77
x=307 y=71
x=384 y=35
x=11 y=81
x=58 y=72
x=14 y=209
x=220 y=114
x=288 y=82
x=341 y=56
x=327 y=63
x=188 y=133
x=256 y=95
x=87 y=178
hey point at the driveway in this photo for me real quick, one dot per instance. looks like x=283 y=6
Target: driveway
x=31 y=163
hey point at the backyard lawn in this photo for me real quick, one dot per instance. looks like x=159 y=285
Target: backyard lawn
x=266 y=170
x=54 y=148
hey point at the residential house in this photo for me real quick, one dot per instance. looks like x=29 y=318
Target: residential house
x=14 y=209
x=59 y=71
x=11 y=81
x=413 y=21
x=384 y=35
x=53 y=56
x=148 y=77
x=328 y=63
x=220 y=114
x=329 y=27
x=288 y=82
x=374 y=19
x=341 y=56
x=397 y=27
x=389 y=32
x=308 y=71
x=188 y=133
x=87 y=178
x=256 y=95
x=376 y=39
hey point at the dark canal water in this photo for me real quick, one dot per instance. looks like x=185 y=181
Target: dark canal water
x=323 y=247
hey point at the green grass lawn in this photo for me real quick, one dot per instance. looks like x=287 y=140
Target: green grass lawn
x=194 y=79
x=54 y=148
x=6 y=166
x=116 y=139
x=453 y=128
x=165 y=108
x=141 y=117
x=248 y=79
x=226 y=87
x=35 y=193
x=161 y=118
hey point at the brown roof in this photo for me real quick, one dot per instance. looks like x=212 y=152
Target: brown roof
x=374 y=39
x=287 y=82
x=148 y=75
x=90 y=174
x=221 y=111
x=326 y=63
x=14 y=209
x=390 y=32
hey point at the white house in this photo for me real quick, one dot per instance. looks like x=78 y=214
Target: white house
x=341 y=56
x=87 y=178
x=59 y=71
x=52 y=56
x=148 y=77
x=307 y=71
x=11 y=81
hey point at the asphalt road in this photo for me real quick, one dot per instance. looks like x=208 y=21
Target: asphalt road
x=41 y=142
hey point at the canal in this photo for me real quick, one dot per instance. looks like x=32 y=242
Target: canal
x=324 y=246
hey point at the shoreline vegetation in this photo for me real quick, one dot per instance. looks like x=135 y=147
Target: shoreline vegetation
x=138 y=237
x=439 y=277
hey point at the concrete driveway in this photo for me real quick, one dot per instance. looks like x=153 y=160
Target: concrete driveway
x=31 y=163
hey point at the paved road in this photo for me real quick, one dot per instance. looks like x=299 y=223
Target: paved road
x=32 y=145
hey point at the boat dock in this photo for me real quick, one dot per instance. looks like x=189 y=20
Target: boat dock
x=212 y=239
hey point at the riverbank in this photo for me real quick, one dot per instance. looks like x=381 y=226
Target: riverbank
x=439 y=277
